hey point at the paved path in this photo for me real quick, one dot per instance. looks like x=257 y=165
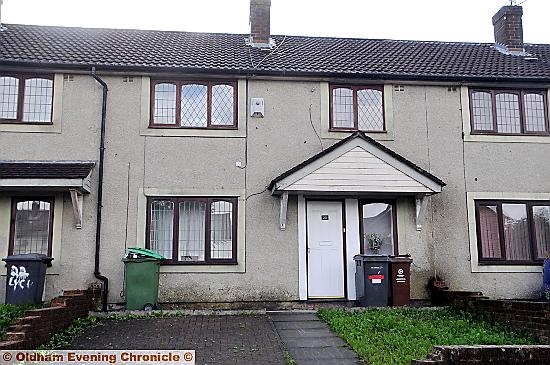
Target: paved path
x=246 y=339
x=310 y=341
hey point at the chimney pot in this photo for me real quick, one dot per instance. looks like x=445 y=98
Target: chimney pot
x=259 y=23
x=508 y=28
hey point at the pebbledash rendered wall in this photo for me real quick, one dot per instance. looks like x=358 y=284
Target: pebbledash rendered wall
x=426 y=126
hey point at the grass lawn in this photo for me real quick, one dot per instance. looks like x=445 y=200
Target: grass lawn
x=396 y=336
x=8 y=312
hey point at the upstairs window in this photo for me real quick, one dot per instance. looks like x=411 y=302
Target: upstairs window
x=26 y=99
x=357 y=108
x=509 y=112
x=193 y=104
x=513 y=232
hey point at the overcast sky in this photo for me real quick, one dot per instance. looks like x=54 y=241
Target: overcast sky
x=443 y=20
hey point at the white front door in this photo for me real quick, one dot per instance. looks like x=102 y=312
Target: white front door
x=325 y=247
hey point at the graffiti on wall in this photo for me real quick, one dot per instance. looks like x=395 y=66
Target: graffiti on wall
x=19 y=278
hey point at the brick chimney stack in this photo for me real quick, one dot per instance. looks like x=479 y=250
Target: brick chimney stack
x=259 y=23
x=509 y=28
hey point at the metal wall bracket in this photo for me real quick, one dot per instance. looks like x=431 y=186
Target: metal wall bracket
x=282 y=213
x=77 y=201
x=421 y=203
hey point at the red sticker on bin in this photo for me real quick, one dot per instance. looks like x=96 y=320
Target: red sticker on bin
x=376 y=279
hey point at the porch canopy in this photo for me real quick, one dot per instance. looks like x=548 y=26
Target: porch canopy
x=49 y=176
x=357 y=166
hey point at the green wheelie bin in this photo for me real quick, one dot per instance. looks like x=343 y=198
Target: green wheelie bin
x=141 y=285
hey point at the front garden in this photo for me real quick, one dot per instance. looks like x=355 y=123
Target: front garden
x=391 y=336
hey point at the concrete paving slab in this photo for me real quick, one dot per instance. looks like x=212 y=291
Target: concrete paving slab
x=280 y=317
x=321 y=353
x=304 y=333
x=299 y=325
x=310 y=341
x=314 y=342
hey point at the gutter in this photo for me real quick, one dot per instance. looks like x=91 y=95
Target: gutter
x=132 y=69
x=97 y=273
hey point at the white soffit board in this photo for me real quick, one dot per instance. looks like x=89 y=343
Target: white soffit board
x=359 y=167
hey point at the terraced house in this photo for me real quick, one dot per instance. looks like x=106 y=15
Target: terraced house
x=259 y=165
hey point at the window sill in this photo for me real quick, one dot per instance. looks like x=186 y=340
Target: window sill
x=204 y=268
x=510 y=263
x=198 y=263
x=506 y=268
x=499 y=138
x=158 y=131
x=26 y=127
x=341 y=134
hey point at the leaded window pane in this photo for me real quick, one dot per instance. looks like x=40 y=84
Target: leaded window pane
x=482 y=111
x=370 y=110
x=342 y=108
x=194 y=105
x=9 y=92
x=535 y=119
x=37 y=102
x=222 y=105
x=165 y=104
x=508 y=113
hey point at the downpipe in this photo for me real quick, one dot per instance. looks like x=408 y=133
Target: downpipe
x=97 y=273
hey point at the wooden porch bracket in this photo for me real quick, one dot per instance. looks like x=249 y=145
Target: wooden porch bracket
x=421 y=203
x=77 y=201
x=282 y=213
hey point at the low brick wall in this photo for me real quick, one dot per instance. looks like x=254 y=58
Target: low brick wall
x=502 y=355
x=39 y=325
x=527 y=316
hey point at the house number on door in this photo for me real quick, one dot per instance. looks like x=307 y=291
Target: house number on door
x=324 y=217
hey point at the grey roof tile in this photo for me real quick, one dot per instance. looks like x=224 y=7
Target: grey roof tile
x=150 y=50
x=45 y=169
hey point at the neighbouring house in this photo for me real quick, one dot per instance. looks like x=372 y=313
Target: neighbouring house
x=259 y=165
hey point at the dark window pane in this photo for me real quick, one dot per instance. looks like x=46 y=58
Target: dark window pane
x=222 y=105
x=194 y=108
x=482 y=111
x=161 y=229
x=9 y=91
x=516 y=232
x=342 y=108
x=378 y=228
x=541 y=223
x=370 y=110
x=32 y=227
x=508 y=119
x=37 y=104
x=221 y=230
x=489 y=233
x=535 y=120
x=192 y=216
x=165 y=104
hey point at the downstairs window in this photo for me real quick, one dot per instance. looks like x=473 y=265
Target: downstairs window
x=513 y=232
x=193 y=230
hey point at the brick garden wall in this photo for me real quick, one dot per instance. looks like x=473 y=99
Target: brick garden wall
x=497 y=355
x=527 y=316
x=39 y=325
